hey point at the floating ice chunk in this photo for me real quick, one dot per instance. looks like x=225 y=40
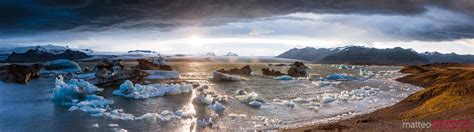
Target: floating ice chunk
x=322 y=83
x=290 y=104
x=255 y=104
x=365 y=72
x=315 y=108
x=96 y=125
x=113 y=125
x=119 y=115
x=233 y=115
x=342 y=66
x=240 y=92
x=73 y=108
x=205 y=99
x=148 y=116
x=217 y=107
x=83 y=76
x=245 y=97
x=183 y=114
x=204 y=123
x=218 y=76
x=137 y=91
x=301 y=100
x=285 y=77
x=167 y=116
x=328 y=99
x=339 y=77
x=161 y=74
x=120 y=130
x=74 y=89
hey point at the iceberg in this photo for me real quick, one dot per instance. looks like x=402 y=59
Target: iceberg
x=137 y=91
x=96 y=125
x=113 y=125
x=339 y=77
x=161 y=74
x=60 y=66
x=217 y=107
x=83 y=76
x=218 y=76
x=245 y=97
x=285 y=77
x=342 y=66
x=328 y=99
x=74 y=89
x=255 y=104
x=321 y=83
x=365 y=72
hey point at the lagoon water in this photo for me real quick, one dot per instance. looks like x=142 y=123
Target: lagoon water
x=29 y=107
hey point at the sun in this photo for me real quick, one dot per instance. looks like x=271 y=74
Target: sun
x=195 y=40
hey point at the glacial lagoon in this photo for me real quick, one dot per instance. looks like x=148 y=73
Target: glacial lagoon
x=288 y=103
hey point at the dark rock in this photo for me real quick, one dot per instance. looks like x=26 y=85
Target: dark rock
x=36 y=55
x=114 y=73
x=147 y=65
x=298 y=69
x=19 y=73
x=246 y=70
x=268 y=72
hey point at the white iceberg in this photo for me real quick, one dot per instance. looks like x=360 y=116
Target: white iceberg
x=137 y=91
x=285 y=77
x=74 y=89
x=245 y=97
x=83 y=76
x=365 y=72
x=217 y=107
x=218 y=76
x=328 y=99
x=322 y=83
x=340 y=77
x=161 y=74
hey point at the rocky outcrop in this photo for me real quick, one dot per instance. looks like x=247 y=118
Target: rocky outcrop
x=147 y=65
x=272 y=72
x=19 y=73
x=218 y=76
x=114 y=72
x=37 y=55
x=298 y=69
x=246 y=70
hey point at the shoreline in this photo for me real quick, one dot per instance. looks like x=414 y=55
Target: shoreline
x=447 y=94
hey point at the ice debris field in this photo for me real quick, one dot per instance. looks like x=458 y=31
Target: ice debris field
x=333 y=104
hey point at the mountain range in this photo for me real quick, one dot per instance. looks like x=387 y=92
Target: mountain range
x=366 y=55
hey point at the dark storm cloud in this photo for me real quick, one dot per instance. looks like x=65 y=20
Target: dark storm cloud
x=35 y=16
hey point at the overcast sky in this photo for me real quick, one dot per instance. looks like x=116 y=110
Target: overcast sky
x=246 y=27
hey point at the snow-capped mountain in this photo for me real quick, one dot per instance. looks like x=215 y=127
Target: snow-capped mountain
x=231 y=54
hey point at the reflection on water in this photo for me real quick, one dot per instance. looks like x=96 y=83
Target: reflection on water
x=29 y=105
